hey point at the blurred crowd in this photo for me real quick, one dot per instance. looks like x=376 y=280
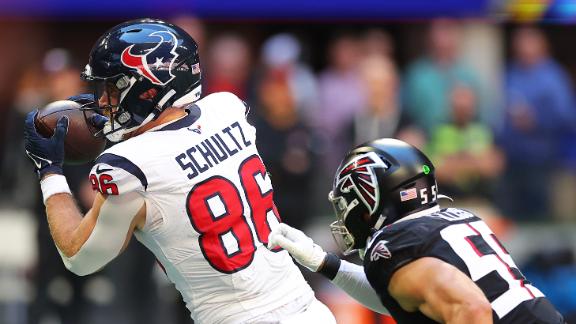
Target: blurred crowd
x=490 y=104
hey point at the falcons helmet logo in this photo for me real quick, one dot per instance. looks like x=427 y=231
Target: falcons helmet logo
x=156 y=63
x=359 y=175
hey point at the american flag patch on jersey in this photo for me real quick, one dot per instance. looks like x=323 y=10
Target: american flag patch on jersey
x=408 y=194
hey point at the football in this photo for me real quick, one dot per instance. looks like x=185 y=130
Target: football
x=80 y=145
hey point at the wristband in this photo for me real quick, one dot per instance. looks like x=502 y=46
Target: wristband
x=54 y=184
x=52 y=169
x=330 y=265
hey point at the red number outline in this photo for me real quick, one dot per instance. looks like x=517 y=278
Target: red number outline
x=212 y=229
x=257 y=200
x=103 y=184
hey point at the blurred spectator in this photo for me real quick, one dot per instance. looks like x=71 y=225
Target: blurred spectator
x=228 y=62
x=429 y=80
x=463 y=151
x=281 y=54
x=540 y=112
x=383 y=116
x=14 y=171
x=194 y=27
x=342 y=95
x=377 y=42
x=285 y=145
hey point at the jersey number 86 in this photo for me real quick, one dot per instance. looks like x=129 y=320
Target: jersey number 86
x=230 y=224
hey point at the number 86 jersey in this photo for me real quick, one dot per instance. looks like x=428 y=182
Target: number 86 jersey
x=209 y=210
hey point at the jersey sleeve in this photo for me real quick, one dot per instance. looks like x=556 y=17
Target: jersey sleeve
x=389 y=251
x=115 y=175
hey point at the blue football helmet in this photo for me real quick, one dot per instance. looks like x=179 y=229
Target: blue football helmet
x=140 y=68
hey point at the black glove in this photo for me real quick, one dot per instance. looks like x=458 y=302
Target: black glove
x=47 y=154
x=98 y=121
x=83 y=98
x=86 y=99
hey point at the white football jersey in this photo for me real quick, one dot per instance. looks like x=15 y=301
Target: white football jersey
x=209 y=210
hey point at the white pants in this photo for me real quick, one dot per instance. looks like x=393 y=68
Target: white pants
x=297 y=312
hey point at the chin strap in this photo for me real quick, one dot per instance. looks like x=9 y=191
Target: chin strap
x=380 y=222
x=190 y=97
x=161 y=105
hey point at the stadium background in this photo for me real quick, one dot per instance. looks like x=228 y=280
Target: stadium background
x=319 y=77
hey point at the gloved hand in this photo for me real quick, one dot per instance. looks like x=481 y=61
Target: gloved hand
x=47 y=154
x=301 y=247
x=86 y=99
x=98 y=121
x=83 y=98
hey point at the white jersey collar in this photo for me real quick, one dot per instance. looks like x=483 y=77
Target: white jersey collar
x=192 y=114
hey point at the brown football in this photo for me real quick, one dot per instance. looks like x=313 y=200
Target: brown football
x=80 y=146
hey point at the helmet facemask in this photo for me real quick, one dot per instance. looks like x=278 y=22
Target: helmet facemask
x=113 y=96
x=344 y=239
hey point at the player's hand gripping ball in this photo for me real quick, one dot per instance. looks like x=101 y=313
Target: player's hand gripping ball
x=80 y=145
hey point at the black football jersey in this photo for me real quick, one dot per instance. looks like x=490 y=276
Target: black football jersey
x=462 y=239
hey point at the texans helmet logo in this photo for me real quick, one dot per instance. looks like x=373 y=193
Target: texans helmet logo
x=359 y=175
x=156 y=63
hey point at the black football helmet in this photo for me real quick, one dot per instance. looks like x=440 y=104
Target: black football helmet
x=143 y=66
x=378 y=183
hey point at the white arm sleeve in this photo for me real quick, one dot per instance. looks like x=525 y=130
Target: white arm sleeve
x=108 y=236
x=352 y=279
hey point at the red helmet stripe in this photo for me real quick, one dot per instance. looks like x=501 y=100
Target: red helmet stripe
x=368 y=187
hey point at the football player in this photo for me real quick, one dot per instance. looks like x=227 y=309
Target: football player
x=185 y=179
x=425 y=263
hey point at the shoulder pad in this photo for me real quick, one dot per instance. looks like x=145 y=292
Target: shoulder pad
x=390 y=249
x=224 y=101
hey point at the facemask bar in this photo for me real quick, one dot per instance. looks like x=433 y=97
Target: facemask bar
x=113 y=90
x=90 y=109
x=344 y=239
